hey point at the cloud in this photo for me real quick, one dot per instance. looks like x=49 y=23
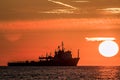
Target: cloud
x=59 y=11
x=80 y=1
x=61 y=3
x=100 y=38
x=111 y=10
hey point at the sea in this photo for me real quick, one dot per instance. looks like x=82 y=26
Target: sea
x=60 y=73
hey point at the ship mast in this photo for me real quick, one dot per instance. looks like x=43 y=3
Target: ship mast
x=62 y=46
x=78 y=53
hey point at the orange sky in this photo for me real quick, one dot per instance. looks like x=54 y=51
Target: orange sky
x=27 y=43
x=29 y=29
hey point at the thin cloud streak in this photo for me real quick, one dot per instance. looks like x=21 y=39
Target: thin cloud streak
x=66 y=5
x=100 y=38
x=81 y=1
x=111 y=10
x=59 y=11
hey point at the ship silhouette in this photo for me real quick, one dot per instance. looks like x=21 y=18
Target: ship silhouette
x=61 y=58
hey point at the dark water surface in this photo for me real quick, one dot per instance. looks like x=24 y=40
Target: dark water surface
x=60 y=73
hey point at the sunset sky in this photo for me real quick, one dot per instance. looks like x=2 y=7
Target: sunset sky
x=32 y=28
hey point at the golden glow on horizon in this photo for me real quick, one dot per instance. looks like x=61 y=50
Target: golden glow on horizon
x=108 y=48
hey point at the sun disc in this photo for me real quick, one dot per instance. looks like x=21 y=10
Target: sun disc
x=12 y=37
x=108 y=48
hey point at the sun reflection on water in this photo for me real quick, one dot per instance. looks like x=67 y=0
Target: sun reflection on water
x=107 y=73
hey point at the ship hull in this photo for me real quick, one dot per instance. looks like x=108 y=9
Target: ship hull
x=69 y=62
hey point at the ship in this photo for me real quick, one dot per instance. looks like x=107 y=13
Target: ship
x=61 y=57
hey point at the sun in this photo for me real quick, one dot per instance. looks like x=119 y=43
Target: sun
x=12 y=36
x=108 y=48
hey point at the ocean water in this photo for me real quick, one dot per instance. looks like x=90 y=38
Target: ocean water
x=60 y=73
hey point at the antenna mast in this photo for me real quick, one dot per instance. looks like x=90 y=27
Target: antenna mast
x=62 y=46
x=78 y=53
